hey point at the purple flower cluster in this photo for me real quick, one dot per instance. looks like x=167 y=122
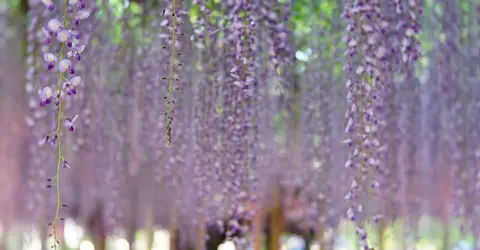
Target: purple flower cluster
x=278 y=34
x=366 y=69
x=66 y=32
x=235 y=137
x=409 y=10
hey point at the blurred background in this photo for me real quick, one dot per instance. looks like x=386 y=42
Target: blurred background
x=271 y=133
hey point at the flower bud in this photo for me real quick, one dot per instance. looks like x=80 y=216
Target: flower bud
x=69 y=123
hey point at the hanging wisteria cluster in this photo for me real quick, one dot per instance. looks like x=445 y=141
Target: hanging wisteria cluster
x=62 y=37
x=228 y=120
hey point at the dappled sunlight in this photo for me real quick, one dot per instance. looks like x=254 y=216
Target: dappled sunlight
x=86 y=245
x=121 y=244
x=73 y=233
x=2 y=233
x=463 y=245
x=294 y=242
x=426 y=246
x=75 y=239
x=344 y=238
x=31 y=240
x=161 y=240
x=227 y=245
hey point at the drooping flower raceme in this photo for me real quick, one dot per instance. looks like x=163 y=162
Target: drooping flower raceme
x=65 y=31
x=365 y=57
x=174 y=23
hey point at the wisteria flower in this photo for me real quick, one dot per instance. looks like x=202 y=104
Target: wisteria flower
x=81 y=5
x=51 y=59
x=54 y=25
x=69 y=89
x=66 y=164
x=49 y=4
x=47 y=34
x=75 y=81
x=76 y=34
x=348 y=196
x=377 y=218
x=46 y=96
x=351 y=214
x=348 y=141
x=76 y=52
x=53 y=140
x=81 y=15
x=63 y=36
x=70 y=86
x=44 y=140
x=58 y=95
x=70 y=122
x=66 y=65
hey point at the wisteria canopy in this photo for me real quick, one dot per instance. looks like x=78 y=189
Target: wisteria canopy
x=354 y=124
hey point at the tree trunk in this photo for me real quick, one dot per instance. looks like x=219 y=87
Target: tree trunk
x=150 y=230
x=201 y=233
x=258 y=228
x=276 y=221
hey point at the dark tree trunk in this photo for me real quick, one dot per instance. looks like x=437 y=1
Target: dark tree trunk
x=96 y=226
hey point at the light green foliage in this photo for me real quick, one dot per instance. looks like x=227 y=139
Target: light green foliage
x=194 y=12
x=13 y=4
x=278 y=122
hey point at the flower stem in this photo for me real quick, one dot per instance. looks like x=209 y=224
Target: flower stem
x=59 y=147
